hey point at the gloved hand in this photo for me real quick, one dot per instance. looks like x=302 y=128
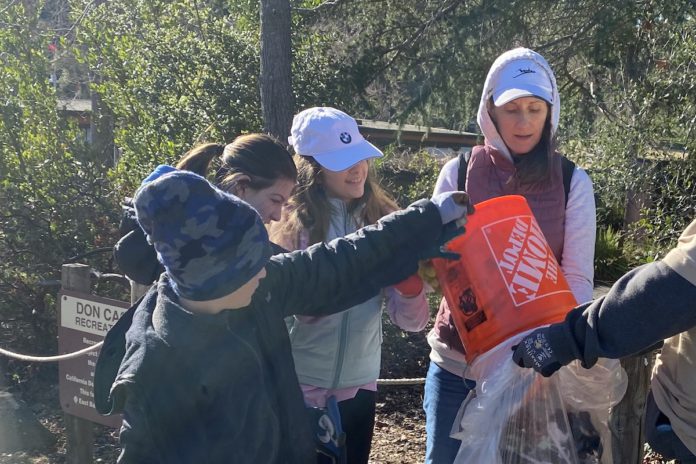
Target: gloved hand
x=453 y=206
x=536 y=352
x=449 y=231
x=410 y=287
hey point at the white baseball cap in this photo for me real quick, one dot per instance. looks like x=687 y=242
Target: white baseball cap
x=331 y=137
x=521 y=78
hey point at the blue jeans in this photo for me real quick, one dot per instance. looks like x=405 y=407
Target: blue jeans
x=444 y=394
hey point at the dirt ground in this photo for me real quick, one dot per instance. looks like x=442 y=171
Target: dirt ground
x=399 y=429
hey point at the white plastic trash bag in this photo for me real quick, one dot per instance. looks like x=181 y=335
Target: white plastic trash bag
x=589 y=395
x=517 y=416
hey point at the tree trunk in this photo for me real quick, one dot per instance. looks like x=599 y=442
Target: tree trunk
x=638 y=198
x=101 y=124
x=277 y=102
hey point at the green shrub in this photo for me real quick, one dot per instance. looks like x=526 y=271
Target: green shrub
x=55 y=197
x=407 y=175
x=610 y=262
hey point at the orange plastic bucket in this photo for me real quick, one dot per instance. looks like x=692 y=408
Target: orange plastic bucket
x=507 y=280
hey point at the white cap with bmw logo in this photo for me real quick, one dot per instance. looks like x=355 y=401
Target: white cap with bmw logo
x=331 y=137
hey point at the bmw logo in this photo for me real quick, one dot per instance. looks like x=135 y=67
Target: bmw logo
x=345 y=137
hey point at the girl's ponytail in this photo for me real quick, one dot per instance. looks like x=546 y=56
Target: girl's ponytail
x=198 y=159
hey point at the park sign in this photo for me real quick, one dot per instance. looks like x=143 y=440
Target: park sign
x=84 y=320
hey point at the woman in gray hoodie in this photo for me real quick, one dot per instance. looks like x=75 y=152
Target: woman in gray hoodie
x=518 y=115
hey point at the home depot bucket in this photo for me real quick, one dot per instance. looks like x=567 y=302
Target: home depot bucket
x=507 y=279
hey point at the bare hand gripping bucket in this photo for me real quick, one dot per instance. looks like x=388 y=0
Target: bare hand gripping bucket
x=507 y=280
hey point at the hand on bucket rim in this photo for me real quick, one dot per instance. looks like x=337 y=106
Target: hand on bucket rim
x=453 y=206
x=450 y=231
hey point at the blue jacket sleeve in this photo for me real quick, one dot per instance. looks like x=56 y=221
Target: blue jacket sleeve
x=645 y=306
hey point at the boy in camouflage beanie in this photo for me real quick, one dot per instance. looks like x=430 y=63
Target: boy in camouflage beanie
x=210 y=242
x=197 y=383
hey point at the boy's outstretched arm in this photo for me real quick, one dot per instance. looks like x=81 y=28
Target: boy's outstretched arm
x=329 y=277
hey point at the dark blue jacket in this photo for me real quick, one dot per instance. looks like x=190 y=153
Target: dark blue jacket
x=222 y=388
x=647 y=305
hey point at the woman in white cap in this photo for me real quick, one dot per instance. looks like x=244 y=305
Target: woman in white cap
x=339 y=355
x=518 y=116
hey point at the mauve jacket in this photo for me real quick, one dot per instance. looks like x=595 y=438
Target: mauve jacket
x=488 y=174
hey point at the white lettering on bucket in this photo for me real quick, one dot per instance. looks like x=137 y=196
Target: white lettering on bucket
x=516 y=240
x=526 y=260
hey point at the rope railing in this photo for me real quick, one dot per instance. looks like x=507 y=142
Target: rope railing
x=84 y=351
x=414 y=381
x=60 y=357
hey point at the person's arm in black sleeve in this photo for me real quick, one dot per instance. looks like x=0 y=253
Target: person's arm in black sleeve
x=645 y=306
x=134 y=256
x=327 y=278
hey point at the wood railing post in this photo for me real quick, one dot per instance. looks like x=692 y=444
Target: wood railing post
x=79 y=432
x=626 y=422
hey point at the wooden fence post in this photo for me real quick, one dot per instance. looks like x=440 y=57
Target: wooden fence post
x=626 y=422
x=79 y=432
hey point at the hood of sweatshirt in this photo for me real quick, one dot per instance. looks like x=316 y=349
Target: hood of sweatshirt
x=492 y=137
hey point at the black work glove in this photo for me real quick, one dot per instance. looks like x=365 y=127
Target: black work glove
x=453 y=208
x=536 y=352
x=449 y=232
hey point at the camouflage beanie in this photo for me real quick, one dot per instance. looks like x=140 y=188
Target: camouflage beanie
x=210 y=242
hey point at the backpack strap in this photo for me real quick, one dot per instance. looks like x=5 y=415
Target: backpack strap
x=567 y=168
x=461 y=172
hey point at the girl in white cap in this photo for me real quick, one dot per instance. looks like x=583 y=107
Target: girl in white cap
x=518 y=116
x=339 y=355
